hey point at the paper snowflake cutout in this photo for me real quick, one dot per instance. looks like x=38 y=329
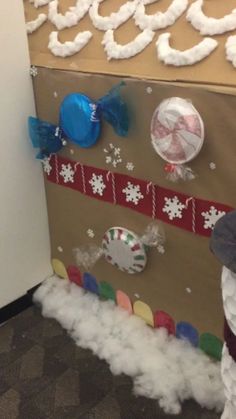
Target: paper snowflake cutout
x=212 y=166
x=33 y=71
x=90 y=233
x=173 y=208
x=113 y=156
x=108 y=159
x=211 y=217
x=116 y=151
x=133 y=193
x=130 y=166
x=67 y=173
x=97 y=184
x=47 y=168
x=149 y=90
x=161 y=249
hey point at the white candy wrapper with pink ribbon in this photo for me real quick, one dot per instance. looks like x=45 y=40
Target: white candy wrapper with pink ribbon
x=177 y=134
x=122 y=248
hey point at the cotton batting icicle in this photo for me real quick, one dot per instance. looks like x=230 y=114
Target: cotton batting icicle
x=230 y=48
x=39 y=3
x=118 y=51
x=115 y=19
x=68 y=48
x=33 y=25
x=71 y=17
x=162 y=367
x=171 y=56
x=209 y=25
x=159 y=20
x=177 y=134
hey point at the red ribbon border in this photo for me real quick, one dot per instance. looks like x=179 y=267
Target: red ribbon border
x=153 y=196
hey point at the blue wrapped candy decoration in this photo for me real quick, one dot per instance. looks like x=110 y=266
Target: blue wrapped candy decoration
x=45 y=136
x=80 y=121
x=80 y=117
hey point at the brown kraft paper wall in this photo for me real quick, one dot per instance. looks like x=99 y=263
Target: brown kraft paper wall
x=187 y=262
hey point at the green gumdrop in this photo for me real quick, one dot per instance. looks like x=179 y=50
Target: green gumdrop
x=211 y=345
x=106 y=291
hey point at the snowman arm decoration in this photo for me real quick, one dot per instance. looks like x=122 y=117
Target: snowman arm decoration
x=33 y=25
x=159 y=20
x=223 y=245
x=209 y=25
x=118 y=51
x=228 y=364
x=113 y=21
x=171 y=56
x=69 y=47
x=230 y=49
x=71 y=17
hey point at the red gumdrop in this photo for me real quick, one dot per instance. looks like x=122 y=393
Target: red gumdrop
x=162 y=319
x=75 y=275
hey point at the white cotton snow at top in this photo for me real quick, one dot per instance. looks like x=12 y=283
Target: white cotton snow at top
x=162 y=368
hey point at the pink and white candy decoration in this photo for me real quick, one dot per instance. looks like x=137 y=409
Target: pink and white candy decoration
x=177 y=134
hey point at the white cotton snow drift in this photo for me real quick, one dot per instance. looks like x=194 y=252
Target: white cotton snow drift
x=162 y=367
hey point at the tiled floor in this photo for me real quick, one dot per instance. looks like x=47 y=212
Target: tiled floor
x=44 y=375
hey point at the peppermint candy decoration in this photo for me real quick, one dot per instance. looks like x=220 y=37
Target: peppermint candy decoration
x=124 y=249
x=177 y=134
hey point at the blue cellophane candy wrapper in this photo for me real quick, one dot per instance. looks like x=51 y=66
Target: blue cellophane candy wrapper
x=115 y=111
x=45 y=136
x=79 y=120
x=80 y=117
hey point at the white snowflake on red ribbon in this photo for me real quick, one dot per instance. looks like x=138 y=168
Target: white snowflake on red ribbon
x=211 y=217
x=97 y=184
x=133 y=193
x=67 y=172
x=47 y=168
x=173 y=208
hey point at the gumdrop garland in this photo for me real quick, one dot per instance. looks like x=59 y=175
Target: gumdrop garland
x=209 y=343
x=177 y=134
x=77 y=107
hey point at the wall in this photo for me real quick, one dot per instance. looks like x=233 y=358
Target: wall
x=184 y=281
x=24 y=238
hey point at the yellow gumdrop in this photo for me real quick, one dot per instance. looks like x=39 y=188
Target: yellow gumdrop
x=59 y=268
x=142 y=310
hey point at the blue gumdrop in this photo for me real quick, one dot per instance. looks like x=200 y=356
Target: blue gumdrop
x=80 y=120
x=187 y=332
x=90 y=283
